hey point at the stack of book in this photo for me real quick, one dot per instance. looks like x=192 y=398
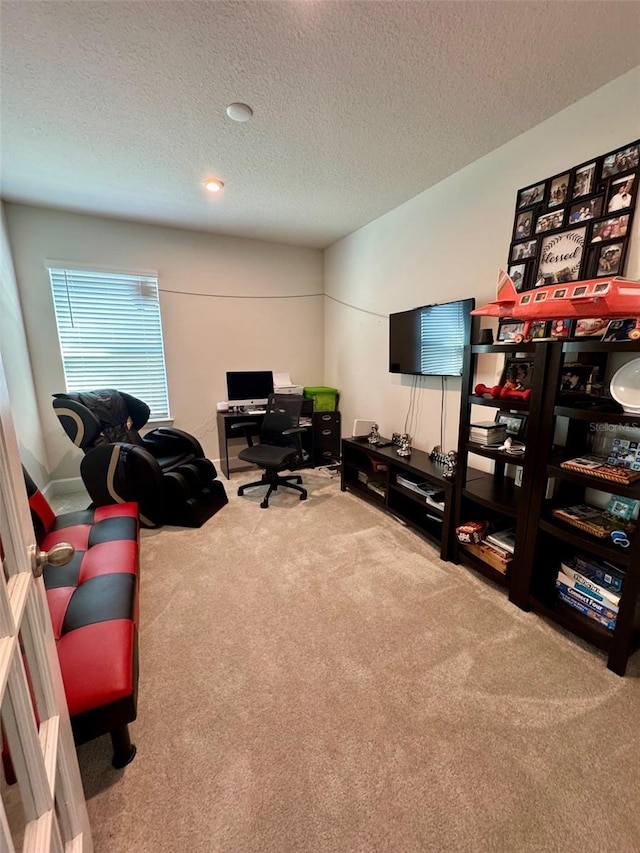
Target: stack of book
x=591 y=587
x=487 y=433
x=503 y=541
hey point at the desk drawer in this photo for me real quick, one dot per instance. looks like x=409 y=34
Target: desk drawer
x=326 y=436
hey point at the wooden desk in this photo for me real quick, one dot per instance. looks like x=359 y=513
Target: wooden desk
x=226 y=421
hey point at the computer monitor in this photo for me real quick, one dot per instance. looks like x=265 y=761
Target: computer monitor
x=249 y=387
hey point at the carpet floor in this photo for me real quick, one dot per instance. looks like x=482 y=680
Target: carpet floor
x=313 y=679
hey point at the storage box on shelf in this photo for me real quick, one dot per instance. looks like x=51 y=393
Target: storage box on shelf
x=411 y=488
x=493 y=496
x=325 y=399
x=574 y=426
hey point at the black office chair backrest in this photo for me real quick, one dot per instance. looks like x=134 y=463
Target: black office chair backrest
x=282 y=413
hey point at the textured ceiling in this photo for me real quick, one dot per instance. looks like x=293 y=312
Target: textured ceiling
x=118 y=108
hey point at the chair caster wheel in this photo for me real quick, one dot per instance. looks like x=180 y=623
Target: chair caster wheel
x=264 y=505
x=303 y=497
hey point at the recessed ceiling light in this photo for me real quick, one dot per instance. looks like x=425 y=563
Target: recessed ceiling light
x=213 y=185
x=239 y=112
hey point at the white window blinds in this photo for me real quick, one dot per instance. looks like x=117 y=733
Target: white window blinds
x=111 y=334
x=442 y=337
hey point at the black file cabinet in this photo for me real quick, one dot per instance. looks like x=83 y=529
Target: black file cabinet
x=326 y=437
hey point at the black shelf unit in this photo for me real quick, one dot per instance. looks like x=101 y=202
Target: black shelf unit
x=371 y=473
x=572 y=426
x=493 y=496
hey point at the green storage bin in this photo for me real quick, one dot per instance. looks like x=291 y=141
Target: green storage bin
x=324 y=399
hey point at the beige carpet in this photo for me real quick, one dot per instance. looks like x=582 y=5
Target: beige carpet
x=314 y=679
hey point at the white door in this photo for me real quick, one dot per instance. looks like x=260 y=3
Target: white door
x=41 y=747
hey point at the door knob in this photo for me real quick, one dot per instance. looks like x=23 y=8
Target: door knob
x=59 y=555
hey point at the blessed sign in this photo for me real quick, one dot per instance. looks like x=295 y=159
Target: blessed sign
x=560 y=256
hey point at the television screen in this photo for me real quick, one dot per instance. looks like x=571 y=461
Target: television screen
x=430 y=341
x=249 y=387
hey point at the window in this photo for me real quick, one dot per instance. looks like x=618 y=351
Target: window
x=111 y=334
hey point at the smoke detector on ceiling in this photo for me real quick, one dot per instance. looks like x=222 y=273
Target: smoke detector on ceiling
x=239 y=112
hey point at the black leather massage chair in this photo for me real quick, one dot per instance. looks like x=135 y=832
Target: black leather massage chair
x=164 y=471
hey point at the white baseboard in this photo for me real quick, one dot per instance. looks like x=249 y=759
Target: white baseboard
x=65 y=486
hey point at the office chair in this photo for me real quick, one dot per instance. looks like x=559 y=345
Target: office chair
x=280 y=445
x=165 y=471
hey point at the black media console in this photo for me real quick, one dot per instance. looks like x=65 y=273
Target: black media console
x=401 y=486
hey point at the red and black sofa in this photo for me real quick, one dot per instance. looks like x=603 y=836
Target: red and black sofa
x=93 y=602
x=165 y=471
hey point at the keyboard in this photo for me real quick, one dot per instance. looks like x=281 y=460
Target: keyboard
x=256 y=412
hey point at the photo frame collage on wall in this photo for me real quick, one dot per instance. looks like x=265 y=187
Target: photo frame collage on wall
x=577 y=224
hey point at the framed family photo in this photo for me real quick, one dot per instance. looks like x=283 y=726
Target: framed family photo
x=610 y=259
x=560 y=222
x=515 y=423
x=560 y=328
x=510 y=331
x=623 y=330
x=538 y=329
x=558 y=190
x=621 y=194
x=594 y=327
x=531 y=195
x=518 y=372
x=583 y=181
x=575 y=378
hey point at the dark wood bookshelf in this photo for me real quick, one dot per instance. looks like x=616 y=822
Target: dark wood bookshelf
x=479 y=565
x=493 y=453
x=598 y=417
x=492 y=495
x=572 y=620
x=514 y=405
x=543 y=542
x=511 y=349
x=585 y=541
x=556 y=537
x=630 y=490
x=498 y=494
x=586 y=345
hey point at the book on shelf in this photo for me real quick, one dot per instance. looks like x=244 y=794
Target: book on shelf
x=378 y=487
x=595 y=466
x=436 y=500
x=580 y=592
x=586 y=610
x=600 y=571
x=487 y=432
x=505 y=540
x=592 y=520
x=407 y=482
x=586 y=584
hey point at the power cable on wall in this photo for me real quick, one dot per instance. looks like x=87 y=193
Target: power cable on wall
x=239 y=296
x=283 y=296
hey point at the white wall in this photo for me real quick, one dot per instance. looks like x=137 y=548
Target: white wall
x=227 y=304
x=448 y=243
x=17 y=366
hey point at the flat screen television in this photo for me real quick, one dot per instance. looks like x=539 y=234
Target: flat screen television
x=430 y=340
x=249 y=387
